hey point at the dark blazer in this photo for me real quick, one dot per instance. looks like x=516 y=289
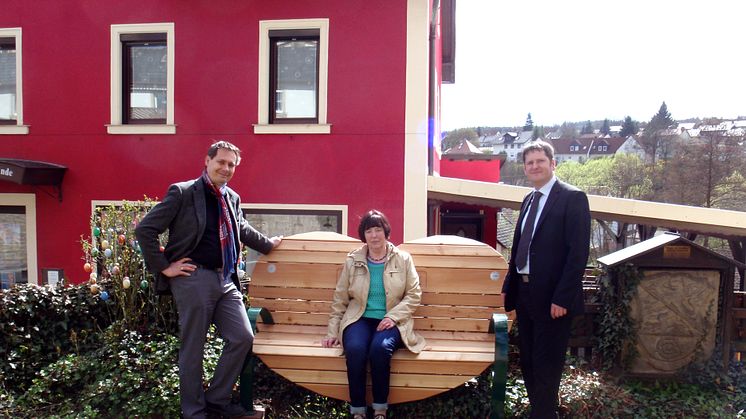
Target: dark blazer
x=182 y=212
x=558 y=253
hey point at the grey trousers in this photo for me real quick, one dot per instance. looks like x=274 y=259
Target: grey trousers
x=202 y=299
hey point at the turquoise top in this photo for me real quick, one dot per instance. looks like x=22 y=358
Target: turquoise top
x=376 y=306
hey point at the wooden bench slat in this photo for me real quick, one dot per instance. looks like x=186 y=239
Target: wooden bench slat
x=319 y=294
x=461 y=281
x=401 y=395
x=454 y=312
x=321 y=307
x=290 y=274
x=401 y=365
x=436 y=261
x=343 y=247
x=289 y=328
x=262 y=349
x=484 y=300
x=324 y=307
x=446 y=280
x=312 y=294
x=397 y=380
x=466 y=262
x=427 y=334
x=306 y=340
x=451 y=250
x=318 y=319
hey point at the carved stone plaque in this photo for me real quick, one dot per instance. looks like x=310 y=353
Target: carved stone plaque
x=676 y=312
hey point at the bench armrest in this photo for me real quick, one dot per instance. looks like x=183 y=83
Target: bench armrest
x=253 y=312
x=499 y=326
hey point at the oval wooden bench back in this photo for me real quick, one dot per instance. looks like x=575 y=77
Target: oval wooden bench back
x=461 y=280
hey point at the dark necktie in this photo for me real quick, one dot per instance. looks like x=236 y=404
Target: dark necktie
x=521 y=257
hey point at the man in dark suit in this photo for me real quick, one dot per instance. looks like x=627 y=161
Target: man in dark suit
x=199 y=267
x=544 y=281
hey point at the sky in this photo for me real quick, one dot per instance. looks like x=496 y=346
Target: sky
x=579 y=60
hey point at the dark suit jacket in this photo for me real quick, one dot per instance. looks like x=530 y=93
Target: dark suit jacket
x=558 y=253
x=182 y=212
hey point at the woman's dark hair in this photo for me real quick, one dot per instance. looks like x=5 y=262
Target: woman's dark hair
x=373 y=218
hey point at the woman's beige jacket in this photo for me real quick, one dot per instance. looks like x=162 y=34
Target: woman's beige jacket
x=403 y=293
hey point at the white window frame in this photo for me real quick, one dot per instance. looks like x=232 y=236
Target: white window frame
x=18 y=128
x=263 y=126
x=116 y=126
x=303 y=207
x=29 y=202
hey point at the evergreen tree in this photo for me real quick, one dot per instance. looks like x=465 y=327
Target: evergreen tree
x=587 y=128
x=568 y=130
x=529 y=123
x=629 y=127
x=605 y=128
x=652 y=140
x=538 y=133
x=662 y=119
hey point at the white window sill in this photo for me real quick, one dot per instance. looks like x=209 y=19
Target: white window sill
x=292 y=128
x=13 y=129
x=141 y=129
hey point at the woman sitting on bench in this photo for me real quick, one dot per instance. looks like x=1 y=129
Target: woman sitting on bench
x=376 y=296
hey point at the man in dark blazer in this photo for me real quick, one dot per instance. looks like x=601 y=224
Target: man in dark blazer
x=199 y=266
x=544 y=281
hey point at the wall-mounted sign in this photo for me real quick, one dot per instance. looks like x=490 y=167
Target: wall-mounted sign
x=677 y=252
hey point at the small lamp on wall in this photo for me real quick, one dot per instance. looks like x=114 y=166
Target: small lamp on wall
x=52 y=277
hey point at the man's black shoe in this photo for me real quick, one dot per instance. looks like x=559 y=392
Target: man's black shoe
x=230 y=410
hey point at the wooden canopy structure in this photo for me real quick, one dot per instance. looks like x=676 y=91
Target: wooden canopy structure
x=728 y=225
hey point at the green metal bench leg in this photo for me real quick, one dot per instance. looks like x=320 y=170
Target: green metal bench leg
x=246 y=383
x=499 y=325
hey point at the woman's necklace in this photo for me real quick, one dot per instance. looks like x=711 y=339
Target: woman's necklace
x=373 y=259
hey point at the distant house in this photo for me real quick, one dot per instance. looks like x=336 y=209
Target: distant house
x=631 y=146
x=511 y=143
x=488 y=141
x=585 y=148
x=463 y=147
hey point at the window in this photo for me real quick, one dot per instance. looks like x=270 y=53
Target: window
x=294 y=64
x=144 y=63
x=11 y=98
x=293 y=57
x=288 y=219
x=17 y=240
x=142 y=79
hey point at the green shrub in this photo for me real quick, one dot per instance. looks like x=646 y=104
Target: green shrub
x=39 y=324
x=130 y=375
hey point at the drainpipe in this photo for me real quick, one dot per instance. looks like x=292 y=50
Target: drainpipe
x=431 y=111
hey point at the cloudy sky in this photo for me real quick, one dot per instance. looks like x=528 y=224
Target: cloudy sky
x=578 y=60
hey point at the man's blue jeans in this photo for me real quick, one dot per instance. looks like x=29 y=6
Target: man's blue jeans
x=362 y=343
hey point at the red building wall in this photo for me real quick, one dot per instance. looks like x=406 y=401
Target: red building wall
x=66 y=104
x=482 y=170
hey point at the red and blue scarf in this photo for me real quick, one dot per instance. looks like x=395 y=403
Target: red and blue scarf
x=227 y=239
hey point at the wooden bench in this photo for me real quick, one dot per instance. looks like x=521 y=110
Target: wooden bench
x=461 y=317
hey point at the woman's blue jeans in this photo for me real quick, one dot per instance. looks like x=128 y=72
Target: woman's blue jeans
x=363 y=344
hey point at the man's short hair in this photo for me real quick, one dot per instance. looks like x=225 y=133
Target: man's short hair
x=373 y=218
x=538 y=145
x=213 y=150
